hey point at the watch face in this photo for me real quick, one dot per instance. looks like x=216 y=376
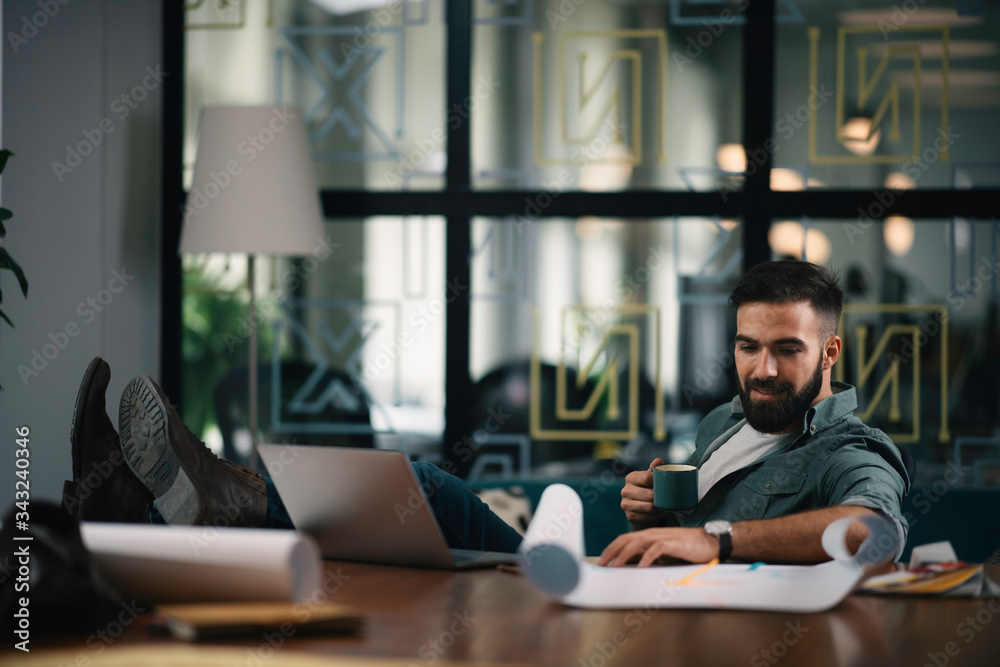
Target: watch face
x=718 y=527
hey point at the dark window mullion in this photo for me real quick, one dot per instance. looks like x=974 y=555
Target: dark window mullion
x=458 y=241
x=172 y=189
x=981 y=203
x=758 y=121
x=459 y=88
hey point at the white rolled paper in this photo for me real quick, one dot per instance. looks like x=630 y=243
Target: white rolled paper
x=162 y=564
x=554 y=543
x=552 y=557
x=878 y=547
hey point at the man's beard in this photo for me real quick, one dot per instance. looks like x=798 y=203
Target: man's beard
x=778 y=415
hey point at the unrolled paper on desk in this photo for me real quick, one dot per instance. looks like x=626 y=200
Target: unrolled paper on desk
x=552 y=557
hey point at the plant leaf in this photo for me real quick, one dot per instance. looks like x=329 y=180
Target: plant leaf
x=3 y=231
x=7 y=319
x=4 y=154
x=6 y=213
x=7 y=262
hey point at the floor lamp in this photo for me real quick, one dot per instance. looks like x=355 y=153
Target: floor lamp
x=254 y=192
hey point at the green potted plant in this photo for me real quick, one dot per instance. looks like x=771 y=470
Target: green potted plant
x=6 y=261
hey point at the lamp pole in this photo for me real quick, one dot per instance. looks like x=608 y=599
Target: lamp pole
x=252 y=369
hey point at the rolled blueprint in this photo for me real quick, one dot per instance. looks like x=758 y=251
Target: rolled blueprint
x=552 y=557
x=203 y=563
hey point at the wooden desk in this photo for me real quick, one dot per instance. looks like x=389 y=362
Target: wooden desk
x=428 y=617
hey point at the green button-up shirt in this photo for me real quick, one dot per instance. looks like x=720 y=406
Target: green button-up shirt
x=833 y=459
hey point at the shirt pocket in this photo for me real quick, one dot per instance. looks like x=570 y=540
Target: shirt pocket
x=770 y=492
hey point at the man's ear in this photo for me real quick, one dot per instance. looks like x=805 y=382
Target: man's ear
x=831 y=351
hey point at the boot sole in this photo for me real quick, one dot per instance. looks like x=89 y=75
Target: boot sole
x=143 y=429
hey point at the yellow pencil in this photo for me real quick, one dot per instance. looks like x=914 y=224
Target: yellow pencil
x=708 y=566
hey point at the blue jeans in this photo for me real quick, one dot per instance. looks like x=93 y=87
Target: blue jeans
x=466 y=521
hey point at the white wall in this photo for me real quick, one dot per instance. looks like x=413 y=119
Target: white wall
x=70 y=236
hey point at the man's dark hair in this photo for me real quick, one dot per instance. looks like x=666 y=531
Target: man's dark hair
x=787 y=281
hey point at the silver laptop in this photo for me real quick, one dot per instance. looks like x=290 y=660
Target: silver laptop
x=364 y=505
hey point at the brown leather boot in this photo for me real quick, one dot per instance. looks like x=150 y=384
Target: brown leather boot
x=103 y=488
x=191 y=485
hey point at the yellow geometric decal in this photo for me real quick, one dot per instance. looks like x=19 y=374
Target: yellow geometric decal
x=890 y=381
x=866 y=86
x=597 y=96
x=607 y=382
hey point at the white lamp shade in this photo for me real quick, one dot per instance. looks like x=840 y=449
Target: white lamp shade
x=254 y=188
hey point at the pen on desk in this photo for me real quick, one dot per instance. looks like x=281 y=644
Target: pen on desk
x=684 y=580
x=756 y=565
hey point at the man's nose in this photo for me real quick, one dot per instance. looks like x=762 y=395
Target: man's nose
x=767 y=367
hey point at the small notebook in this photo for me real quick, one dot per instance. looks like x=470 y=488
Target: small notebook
x=956 y=579
x=195 y=622
x=934 y=569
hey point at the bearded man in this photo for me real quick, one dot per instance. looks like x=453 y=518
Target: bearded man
x=787 y=456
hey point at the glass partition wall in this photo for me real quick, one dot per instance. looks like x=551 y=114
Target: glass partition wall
x=536 y=211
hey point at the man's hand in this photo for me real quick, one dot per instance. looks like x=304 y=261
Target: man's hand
x=637 y=498
x=690 y=544
x=795 y=538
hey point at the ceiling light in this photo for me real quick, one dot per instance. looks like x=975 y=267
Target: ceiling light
x=858 y=137
x=786 y=180
x=731 y=158
x=898 y=232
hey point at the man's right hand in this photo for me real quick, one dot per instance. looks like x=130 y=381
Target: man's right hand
x=637 y=498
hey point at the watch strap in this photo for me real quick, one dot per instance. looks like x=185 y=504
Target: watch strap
x=725 y=546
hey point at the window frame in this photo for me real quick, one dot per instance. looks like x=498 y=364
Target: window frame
x=756 y=204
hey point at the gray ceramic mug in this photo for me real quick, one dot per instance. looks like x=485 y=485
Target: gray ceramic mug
x=675 y=487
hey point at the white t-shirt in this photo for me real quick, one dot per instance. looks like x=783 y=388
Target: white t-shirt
x=743 y=448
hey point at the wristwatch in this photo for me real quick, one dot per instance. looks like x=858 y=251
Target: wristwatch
x=723 y=531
